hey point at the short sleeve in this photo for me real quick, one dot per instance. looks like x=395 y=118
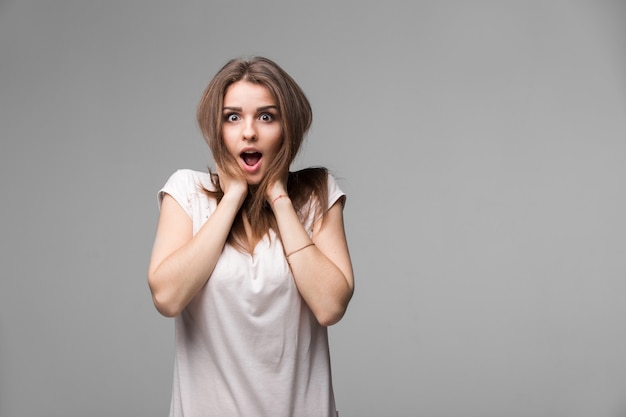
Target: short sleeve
x=189 y=189
x=179 y=185
x=334 y=192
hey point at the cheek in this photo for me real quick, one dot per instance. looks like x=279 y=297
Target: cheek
x=229 y=141
x=277 y=141
x=277 y=145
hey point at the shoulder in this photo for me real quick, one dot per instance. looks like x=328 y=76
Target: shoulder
x=309 y=177
x=184 y=182
x=334 y=191
x=191 y=178
x=316 y=182
x=314 y=191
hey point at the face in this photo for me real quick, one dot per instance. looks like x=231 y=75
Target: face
x=251 y=128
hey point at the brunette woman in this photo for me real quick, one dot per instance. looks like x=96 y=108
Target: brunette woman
x=252 y=259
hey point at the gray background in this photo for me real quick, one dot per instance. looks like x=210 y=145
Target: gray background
x=482 y=145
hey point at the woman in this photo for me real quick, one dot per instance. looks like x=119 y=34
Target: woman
x=252 y=260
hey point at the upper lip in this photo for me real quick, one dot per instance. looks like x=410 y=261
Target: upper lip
x=249 y=149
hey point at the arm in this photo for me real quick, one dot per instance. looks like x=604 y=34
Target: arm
x=323 y=272
x=181 y=263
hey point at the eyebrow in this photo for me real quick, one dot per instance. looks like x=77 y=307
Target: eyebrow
x=258 y=109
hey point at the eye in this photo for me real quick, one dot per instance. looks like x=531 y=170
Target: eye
x=231 y=117
x=266 y=117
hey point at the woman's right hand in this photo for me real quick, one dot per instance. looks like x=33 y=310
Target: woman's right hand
x=231 y=185
x=181 y=261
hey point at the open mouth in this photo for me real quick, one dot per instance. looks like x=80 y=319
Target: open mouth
x=251 y=158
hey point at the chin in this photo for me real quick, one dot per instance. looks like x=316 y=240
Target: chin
x=254 y=181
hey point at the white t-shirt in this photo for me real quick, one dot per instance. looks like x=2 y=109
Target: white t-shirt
x=247 y=345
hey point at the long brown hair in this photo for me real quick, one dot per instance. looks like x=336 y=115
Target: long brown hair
x=295 y=118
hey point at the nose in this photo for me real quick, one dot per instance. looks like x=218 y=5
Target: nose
x=249 y=131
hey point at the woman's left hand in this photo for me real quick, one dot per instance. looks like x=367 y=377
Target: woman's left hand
x=322 y=272
x=277 y=189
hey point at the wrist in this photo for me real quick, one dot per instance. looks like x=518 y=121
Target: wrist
x=235 y=196
x=278 y=197
x=281 y=200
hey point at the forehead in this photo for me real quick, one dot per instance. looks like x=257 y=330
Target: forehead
x=243 y=92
